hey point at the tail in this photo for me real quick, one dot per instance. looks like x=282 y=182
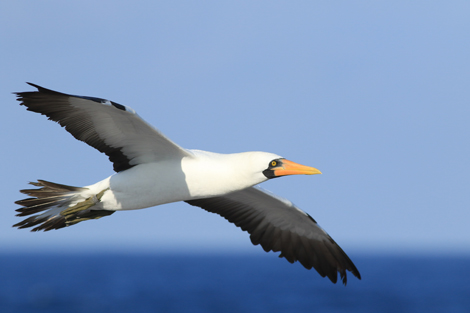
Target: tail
x=63 y=206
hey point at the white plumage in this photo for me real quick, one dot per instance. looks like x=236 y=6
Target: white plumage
x=153 y=170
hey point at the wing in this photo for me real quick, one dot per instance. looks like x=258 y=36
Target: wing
x=278 y=225
x=107 y=126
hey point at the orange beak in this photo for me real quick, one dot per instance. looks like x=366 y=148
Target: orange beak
x=291 y=168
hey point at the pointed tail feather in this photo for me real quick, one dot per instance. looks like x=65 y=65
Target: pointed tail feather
x=62 y=205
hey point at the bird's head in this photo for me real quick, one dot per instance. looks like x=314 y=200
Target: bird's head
x=271 y=166
x=281 y=167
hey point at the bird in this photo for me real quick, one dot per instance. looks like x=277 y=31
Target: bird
x=153 y=170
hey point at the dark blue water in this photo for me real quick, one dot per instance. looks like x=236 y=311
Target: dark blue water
x=228 y=283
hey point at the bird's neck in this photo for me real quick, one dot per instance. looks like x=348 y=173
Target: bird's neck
x=211 y=174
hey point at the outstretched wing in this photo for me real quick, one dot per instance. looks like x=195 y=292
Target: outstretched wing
x=107 y=126
x=277 y=225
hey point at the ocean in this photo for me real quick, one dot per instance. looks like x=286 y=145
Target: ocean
x=120 y=282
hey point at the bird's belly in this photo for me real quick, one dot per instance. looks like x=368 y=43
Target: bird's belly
x=145 y=185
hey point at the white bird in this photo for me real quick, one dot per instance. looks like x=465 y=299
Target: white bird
x=153 y=170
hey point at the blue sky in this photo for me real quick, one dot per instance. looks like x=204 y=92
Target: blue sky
x=374 y=94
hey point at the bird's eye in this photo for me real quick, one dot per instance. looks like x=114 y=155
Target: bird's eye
x=273 y=163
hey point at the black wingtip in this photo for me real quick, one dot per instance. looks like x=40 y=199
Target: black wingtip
x=42 y=89
x=357 y=274
x=34 y=85
x=37 y=86
x=353 y=271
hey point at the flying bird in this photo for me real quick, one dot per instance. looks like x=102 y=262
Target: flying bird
x=153 y=170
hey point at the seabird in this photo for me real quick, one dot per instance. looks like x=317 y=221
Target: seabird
x=152 y=170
